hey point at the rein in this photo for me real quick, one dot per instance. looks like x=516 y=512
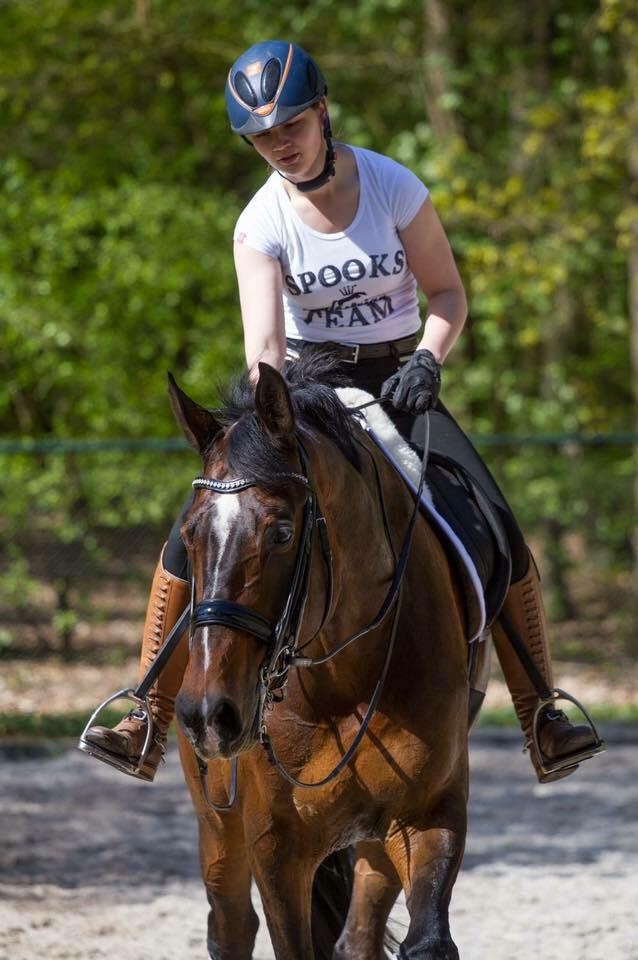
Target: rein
x=282 y=638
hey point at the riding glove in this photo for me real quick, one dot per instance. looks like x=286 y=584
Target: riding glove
x=415 y=388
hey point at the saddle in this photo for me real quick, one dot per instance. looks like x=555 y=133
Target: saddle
x=458 y=497
x=467 y=525
x=470 y=532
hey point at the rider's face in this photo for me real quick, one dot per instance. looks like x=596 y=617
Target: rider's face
x=295 y=148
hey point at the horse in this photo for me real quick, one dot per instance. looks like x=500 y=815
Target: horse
x=323 y=715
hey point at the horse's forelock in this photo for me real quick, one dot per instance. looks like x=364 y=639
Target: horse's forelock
x=250 y=452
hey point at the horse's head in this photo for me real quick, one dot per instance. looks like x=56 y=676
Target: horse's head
x=242 y=542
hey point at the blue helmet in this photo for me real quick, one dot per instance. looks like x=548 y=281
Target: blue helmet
x=269 y=84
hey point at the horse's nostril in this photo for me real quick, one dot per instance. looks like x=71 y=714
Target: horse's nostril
x=223 y=716
x=189 y=715
x=219 y=714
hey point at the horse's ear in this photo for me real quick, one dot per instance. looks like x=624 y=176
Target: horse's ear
x=273 y=403
x=199 y=425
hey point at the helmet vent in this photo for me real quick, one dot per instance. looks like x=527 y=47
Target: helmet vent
x=244 y=89
x=270 y=79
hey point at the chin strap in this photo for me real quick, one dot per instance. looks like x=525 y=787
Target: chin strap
x=328 y=172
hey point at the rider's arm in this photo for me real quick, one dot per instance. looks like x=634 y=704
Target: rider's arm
x=431 y=260
x=260 y=297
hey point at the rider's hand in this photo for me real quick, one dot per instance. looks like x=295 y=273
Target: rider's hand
x=415 y=388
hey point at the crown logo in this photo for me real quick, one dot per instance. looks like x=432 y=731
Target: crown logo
x=346 y=291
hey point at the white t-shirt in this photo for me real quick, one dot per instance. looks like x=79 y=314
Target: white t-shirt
x=354 y=286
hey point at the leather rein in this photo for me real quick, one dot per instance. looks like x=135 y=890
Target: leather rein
x=281 y=638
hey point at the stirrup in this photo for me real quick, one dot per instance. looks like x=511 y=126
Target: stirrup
x=134 y=768
x=553 y=764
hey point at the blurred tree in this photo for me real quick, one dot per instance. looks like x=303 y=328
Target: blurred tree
x=121 y=183
x=533 y=216
x=621 y=17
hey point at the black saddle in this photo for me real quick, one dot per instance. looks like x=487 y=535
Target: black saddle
x=458 y=497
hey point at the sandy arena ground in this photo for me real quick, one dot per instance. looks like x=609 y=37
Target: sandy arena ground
x=96 y=865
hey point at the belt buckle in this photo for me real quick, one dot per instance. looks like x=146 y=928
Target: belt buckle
x=355 y=354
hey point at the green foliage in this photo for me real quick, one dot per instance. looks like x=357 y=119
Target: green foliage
x=504 y=717
x=533 y=185
x=55 y=725
x=24 y=729
x=121 y=183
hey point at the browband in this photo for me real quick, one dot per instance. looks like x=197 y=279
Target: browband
x=234 y=486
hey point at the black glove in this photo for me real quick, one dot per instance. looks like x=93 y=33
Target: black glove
x=415 y=388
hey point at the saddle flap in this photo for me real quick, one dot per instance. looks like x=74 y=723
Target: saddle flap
x=458 y=497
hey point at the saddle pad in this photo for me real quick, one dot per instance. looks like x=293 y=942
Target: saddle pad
x=406 y=462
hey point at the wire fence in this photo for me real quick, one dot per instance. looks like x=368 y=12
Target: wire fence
x=164 y=444
x=84 y=520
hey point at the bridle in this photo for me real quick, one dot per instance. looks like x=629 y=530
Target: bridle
x=281 y=638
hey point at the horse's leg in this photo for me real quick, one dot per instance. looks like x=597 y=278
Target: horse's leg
x=284 y=879
x=232 y=921
x=427 y=856
x=376 y=887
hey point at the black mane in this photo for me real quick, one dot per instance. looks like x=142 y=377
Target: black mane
x=311 y=381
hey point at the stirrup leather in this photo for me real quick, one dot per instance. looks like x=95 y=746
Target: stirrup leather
x=552 y=764
x=133 y=768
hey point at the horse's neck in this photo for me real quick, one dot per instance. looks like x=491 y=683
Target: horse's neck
x=354 y=502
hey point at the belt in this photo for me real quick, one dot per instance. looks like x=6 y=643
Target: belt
x=356 y=352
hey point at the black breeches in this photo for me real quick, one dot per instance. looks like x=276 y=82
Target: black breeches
x=175 y=556
x=446 y=437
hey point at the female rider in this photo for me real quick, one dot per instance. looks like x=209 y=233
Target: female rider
x=332 y=249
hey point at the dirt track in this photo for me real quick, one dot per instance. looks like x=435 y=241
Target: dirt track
x=95 y=865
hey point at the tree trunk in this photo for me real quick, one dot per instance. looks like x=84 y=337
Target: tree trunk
x=437 y=68
x=536 y=27
x=633 y=337
x=630 y=58
x=65 y=617
x=558 y=596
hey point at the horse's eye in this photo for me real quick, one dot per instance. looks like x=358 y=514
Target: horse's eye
x=282 y=533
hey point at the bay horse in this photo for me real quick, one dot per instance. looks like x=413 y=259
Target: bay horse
x=324 y=710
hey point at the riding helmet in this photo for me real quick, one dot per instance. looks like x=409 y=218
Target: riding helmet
x=269 y=84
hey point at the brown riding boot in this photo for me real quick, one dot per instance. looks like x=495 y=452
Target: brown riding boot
x=122 y=746
x=559 y=740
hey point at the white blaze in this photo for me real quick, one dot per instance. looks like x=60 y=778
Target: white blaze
x=227 y=511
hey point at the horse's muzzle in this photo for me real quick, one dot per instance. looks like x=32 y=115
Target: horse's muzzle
x=214 y=726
